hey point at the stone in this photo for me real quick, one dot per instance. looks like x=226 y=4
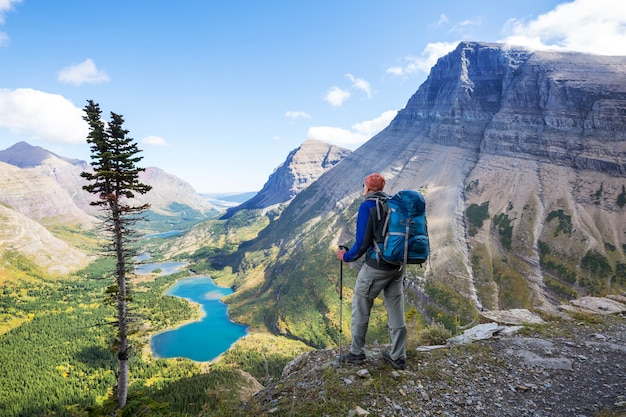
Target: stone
x=513 y=316
x=363 y=373
x=599 y=305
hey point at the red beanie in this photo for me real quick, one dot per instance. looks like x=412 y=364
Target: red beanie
x=375 y=182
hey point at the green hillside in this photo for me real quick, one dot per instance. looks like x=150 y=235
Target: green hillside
x=56 y=353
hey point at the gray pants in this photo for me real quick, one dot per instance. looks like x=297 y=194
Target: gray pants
x=369 y=283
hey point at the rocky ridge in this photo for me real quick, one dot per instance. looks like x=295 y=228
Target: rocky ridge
x=571 y=365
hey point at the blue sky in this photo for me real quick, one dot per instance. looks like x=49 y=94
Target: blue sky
x=219 y=92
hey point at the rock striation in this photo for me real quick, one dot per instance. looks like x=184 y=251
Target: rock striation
x=560 y=108
x=24 y=235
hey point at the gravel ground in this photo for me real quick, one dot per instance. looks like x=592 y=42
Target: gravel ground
x=571 y=369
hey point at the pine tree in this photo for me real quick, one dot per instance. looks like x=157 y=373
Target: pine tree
x=115 y=179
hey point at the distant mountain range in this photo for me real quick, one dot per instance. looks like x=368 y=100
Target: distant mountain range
x=39 y=187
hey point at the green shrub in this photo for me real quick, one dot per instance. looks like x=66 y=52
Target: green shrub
x=565 y=222
x=595 y=263
x=620 y=274
x=505 y=230
x=435 y=334
x=561 y=289
x=476 y=215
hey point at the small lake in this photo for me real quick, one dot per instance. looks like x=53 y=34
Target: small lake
x=163 y=234
x=206 y=339
x=165 y=267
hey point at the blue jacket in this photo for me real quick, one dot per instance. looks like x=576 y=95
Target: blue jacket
x=364 y=240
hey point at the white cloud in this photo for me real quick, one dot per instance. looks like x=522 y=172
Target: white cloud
x=372 y=127
x=443 y=19
x=360 y=84
x=154 y=141
x=336 y=96
x=85 y=72
x=47 y=117
x=5 y=5
x=297 y=115
x=465 y=25
x=423 y=64
x=357 y=135
x=592 y=26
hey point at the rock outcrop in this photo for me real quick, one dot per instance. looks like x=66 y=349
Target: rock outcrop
x=559 y=369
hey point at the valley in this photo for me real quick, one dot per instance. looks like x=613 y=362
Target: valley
x=521 y=156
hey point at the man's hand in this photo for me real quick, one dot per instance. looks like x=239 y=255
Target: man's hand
x=340 y=254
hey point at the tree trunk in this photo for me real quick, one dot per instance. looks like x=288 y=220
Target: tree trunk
x=122 y=383
x=122 y=320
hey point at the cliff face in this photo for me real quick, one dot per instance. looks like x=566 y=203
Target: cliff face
x=561 y=108
x=521 y=157
x=303 y=166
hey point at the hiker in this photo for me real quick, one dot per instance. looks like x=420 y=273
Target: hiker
x=374 y=277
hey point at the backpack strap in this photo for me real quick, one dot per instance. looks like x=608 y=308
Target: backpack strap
x=406 y=249
x=380 y=222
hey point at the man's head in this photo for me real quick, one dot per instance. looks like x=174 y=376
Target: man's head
x=374 y=182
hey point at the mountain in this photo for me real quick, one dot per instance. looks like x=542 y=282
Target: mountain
x=303 y=166
x=23 y=155
x=521 y=156
x=46 y=188
x=168 y=189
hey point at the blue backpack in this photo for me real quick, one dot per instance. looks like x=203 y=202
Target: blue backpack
x=401 y=232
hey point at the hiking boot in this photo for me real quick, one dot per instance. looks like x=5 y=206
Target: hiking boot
x=352 y=358
x=399 y=363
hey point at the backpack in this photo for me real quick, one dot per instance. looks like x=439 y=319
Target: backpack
x=401 y=232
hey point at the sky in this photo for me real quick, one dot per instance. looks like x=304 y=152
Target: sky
x=219 y=92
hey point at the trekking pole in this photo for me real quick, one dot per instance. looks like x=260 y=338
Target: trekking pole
x=341 y=302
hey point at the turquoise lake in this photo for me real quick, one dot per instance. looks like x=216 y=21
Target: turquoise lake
x=165 y=267
x=206 y=339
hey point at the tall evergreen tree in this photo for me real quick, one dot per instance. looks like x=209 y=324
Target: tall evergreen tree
x=114 y=180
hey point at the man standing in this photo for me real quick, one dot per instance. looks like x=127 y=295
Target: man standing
x=375 y=276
